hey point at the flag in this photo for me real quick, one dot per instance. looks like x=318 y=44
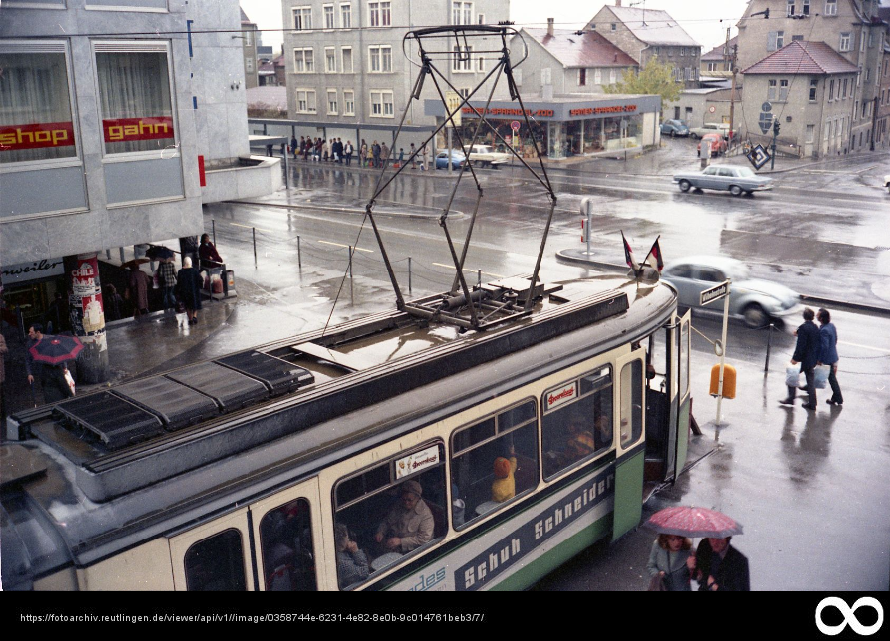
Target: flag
x=628 y=253
x=653 y=258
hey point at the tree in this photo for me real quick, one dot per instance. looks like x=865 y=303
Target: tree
x=654 y=79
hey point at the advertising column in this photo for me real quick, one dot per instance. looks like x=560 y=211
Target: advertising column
x=88 y=317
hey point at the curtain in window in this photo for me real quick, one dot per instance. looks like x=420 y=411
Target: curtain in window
x=134 y=94
x=35 y=108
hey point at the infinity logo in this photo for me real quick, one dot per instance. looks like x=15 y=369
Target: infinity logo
x=849 y=616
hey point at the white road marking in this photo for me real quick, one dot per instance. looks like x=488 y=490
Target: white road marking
x=871 y=347
x=358 y=249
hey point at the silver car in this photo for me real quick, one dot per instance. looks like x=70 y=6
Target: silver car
x=736 y=179
x=756 y=302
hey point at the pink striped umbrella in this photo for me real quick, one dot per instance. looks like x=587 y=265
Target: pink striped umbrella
x=694 y=522
x=56 y=349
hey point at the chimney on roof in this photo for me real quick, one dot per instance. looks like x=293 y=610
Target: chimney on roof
x=617 y=3
x=550 y=27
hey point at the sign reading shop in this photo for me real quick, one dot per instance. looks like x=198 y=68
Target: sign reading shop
x=36 y=136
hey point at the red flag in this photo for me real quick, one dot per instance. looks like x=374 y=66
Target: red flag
x=628 y=253
x=653 y=258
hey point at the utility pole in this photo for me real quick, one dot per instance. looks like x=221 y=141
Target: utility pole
x=734 y=69
x=772 y=161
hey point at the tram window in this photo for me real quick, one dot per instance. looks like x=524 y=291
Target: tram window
x=216 y=564
x=488 y=472
x=575 y=431
x=631 y=408
x=286 y=546
x=402 y=500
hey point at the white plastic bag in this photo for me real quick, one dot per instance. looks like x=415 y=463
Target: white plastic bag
x=70 y=380
x=822 y=372
x=792 y=375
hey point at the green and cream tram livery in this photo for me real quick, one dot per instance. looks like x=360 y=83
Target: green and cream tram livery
x=235 y=474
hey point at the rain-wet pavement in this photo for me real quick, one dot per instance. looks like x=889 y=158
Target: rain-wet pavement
x=806 y=485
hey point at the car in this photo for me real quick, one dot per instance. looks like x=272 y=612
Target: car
x=736 y=179
x=486 y=156
x=674 y=128
x=710 y=128
x=757 y=302
x=458 y=159
x=718 y=144
x=887 y=182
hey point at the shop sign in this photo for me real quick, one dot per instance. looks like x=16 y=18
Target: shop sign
x=36 y=136
x=595 y=111
x=128 y=129
x=539 y=113
x=32 y=271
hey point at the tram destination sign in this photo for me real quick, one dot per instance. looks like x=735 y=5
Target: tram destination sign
x=714 y=293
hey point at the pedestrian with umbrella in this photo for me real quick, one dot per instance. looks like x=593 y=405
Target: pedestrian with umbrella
x=718 y=566
x=671 y=562
x=53 y=354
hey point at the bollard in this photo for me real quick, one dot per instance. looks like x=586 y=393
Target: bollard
x=480 y=279
x=769 y=340
x=409 y=274
x=256 y=264
x=299 y=259
x=213 y=225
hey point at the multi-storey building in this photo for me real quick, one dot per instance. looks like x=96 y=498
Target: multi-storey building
x=104 y=139
x=250 y=41
x=809 y=89
x=647 y=33
x=882 y=113
x=345 y=66
x=717 y=63
x=852 y=28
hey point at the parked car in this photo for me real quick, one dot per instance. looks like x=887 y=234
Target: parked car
x=486 y=156
x=710 y=128
x=736 y=179
x=674 y=128
x=757 y=302
x=718 y=144
x=458 y=159
x=887 y=182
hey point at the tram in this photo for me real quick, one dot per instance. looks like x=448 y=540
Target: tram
x=234 y=474
x=518 y=420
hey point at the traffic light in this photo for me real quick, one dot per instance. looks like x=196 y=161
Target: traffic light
x=776 y=126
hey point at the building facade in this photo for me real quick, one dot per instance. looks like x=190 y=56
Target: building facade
x=345 y=66
x=567 y=62
x=250 y=43
x=810 y=90
x=854 y=29
x=647 y=33
x=699 y=106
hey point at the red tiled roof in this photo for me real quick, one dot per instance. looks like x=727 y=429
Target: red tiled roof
x=799 y=57
x=587 y=50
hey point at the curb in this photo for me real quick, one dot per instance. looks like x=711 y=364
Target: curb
x=341 y=210
x=565 y=256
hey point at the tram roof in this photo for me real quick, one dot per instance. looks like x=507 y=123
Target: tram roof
x=302 y=425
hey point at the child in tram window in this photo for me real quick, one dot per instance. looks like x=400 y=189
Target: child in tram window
x=503 y=488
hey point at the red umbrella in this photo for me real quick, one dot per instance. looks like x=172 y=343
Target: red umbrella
x=694 y=522
x=56 y=349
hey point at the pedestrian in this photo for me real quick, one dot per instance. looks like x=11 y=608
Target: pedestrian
x=188 y=289
x=137 y=290
x=828 y=354
x=167 y=278
x=3 y=352
x=384 y=153
x=401 y=157
x=412 y=154
x=307 y=149
x=375 y=154
x=57 y=318
x=35 y=334
x=347 y=151
x=363 y=154
x=425 y=158
x=806 y=352
x=317 y=150
x=672 y=558
x=338 y=152
x=113 y=303
x=719 y=567
x=210 y=258
x=293 y=146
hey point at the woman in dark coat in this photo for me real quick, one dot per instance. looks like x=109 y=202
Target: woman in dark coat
x=188 y=288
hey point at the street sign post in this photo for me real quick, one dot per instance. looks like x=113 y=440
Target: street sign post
x=709 y=296
x=515 y=125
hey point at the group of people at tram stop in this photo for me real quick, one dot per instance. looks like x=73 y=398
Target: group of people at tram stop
x=373 y=155
x=715 y=565
x=816 y=346
x=181 y=289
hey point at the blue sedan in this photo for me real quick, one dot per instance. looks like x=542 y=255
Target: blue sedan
x=458 y=159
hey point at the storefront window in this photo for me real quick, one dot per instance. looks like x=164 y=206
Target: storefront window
x=35 y=106
x=135 y=100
